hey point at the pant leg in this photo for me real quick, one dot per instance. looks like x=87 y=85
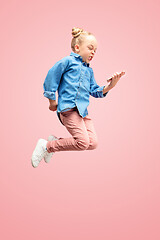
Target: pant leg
x=75 y=125
x=93 y=139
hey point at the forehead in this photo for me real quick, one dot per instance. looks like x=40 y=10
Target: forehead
x=91 y=40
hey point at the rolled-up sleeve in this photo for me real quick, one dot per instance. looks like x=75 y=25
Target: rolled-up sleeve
x=96 y=90
x=53 y=79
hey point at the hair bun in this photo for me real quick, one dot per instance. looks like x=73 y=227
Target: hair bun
x=76 y=31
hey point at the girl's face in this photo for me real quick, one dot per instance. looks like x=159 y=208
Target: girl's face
x=87 y=49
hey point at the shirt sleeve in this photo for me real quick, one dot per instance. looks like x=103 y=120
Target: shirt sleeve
x=96 y=90
x=53 y=78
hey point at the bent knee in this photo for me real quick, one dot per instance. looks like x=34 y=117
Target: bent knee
x=82 y=144
x=93 y=144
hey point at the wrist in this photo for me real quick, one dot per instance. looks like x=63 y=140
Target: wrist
x=52 y=102
x=106 y=89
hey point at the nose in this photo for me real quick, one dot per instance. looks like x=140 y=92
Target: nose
x=92 y=53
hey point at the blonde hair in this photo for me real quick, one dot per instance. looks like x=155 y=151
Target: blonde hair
x=78 y=35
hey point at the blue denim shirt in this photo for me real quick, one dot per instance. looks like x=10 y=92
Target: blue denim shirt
x=74 y=80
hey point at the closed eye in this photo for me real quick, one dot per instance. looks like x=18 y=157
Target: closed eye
x=91 y=49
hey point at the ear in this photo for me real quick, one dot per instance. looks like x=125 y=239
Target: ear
x=76 y=47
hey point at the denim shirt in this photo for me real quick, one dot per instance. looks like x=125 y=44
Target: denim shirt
x=74 y=80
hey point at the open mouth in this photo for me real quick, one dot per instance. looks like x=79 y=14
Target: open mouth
x=90 y=58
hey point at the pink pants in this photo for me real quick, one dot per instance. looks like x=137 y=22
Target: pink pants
x=82 y=130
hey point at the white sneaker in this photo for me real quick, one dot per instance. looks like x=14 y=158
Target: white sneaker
x=39 y=152
x=48 y=155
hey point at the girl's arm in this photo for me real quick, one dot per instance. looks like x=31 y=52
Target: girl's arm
x=96 y=90
x=53 y=78
x=52 y=82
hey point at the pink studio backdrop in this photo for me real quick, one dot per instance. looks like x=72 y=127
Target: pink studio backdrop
x=112 y=192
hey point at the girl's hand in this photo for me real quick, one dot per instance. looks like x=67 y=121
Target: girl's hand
x=115 y=78
x=53 y=107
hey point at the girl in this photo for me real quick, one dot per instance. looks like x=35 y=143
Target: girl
x=74 y=79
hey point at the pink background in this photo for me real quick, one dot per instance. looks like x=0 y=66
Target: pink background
x=112 y=192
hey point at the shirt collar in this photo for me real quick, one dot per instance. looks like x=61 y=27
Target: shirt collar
x=78 y=56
